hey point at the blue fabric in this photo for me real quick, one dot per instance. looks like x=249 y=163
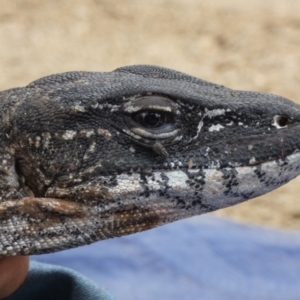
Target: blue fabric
x=205 y=258
x=46 y=282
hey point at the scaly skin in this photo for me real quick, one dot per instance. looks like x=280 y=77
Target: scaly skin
x=89 y=156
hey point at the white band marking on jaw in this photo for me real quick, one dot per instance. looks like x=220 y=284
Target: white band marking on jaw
x=213 y=192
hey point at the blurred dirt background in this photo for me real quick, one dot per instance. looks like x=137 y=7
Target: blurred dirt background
x=249 y=45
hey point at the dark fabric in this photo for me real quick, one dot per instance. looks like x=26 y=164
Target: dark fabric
x=46 y=282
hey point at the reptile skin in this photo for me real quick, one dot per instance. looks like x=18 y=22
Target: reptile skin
x=89 y=156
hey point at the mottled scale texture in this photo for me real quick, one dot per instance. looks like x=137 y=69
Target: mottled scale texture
x=88 y=156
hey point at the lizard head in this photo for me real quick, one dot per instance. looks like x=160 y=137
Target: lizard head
x=143 y=146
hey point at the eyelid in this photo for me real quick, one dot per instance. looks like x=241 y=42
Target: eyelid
x=148 y=134
x=155 y=103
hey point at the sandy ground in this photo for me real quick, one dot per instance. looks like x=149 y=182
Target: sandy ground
x=251 y=45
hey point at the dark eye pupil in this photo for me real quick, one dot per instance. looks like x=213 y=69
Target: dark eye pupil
x=152 y=119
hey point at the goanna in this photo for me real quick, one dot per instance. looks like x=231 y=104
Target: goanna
x=88 y=156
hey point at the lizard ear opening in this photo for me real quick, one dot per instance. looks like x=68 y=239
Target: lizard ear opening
x=27 y=178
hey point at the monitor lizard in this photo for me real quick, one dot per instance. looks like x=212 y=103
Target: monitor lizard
x=86 y=156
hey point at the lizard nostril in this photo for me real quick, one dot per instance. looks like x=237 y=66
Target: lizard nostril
x=281 y=121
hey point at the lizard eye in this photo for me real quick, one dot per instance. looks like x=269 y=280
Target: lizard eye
x=153 y=119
